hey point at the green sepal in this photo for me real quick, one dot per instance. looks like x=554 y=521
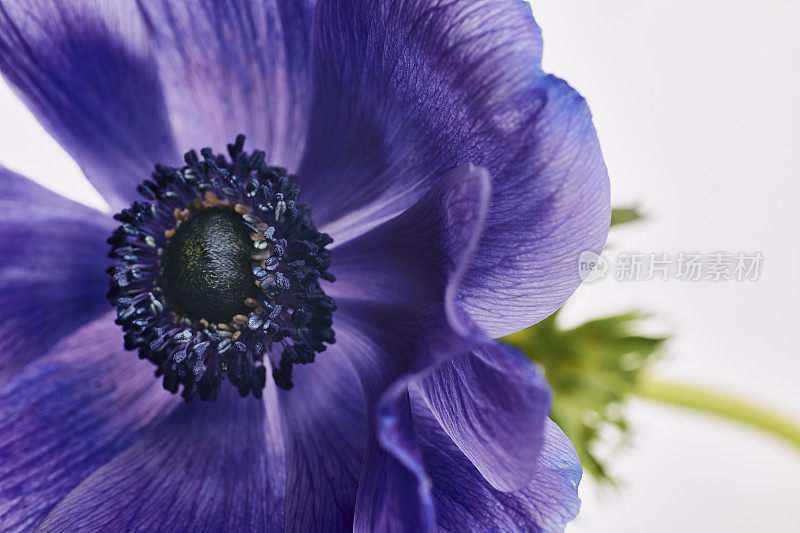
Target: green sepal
x=592 y=369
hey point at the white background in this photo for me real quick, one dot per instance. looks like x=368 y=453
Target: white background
x=697 y=104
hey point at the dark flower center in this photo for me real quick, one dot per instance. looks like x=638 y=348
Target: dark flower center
x=217 y=275
x=207 y=266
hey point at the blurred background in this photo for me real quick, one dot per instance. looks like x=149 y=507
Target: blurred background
x=697 y=105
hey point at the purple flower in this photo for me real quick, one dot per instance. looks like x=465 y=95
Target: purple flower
x=458 y=183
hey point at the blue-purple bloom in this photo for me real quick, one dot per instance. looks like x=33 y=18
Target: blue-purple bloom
x=458 y=183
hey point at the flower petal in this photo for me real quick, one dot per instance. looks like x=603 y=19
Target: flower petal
x=209 y=466
x=324 y=426
x=69 y=413
x=327 y=413
x=233 y=67
x=415 y=255
x=404 y=91
x=397 y=283
x=464 y=501
x=403 y=275
x=493 y=404
x=420 y=475
x=395 y=492
x=52 y=277
x=550 y=203
x=83 y=67
x=380 y=320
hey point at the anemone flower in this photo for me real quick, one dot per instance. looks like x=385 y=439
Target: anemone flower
x=412 y=186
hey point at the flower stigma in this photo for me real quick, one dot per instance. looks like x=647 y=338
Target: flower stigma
x=217 y=275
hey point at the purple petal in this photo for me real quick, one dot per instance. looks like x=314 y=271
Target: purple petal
x=52 y=277
x=385 y=341
x=404 y=91
x=233 y=67
x=464 y=501
x=402 y=276
x=324 y=426
x=209 y=467
x=83 y=67
x=493 y=404
x=417 y=254
x=395 y=493
x=396 y=285
x=326 y=414
x=69 y=413
x=420 y=472
x=550 y=203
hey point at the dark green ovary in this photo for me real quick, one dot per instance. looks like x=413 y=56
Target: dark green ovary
x=208 y=268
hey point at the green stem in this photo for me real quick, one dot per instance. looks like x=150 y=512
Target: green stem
x=712 y=402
